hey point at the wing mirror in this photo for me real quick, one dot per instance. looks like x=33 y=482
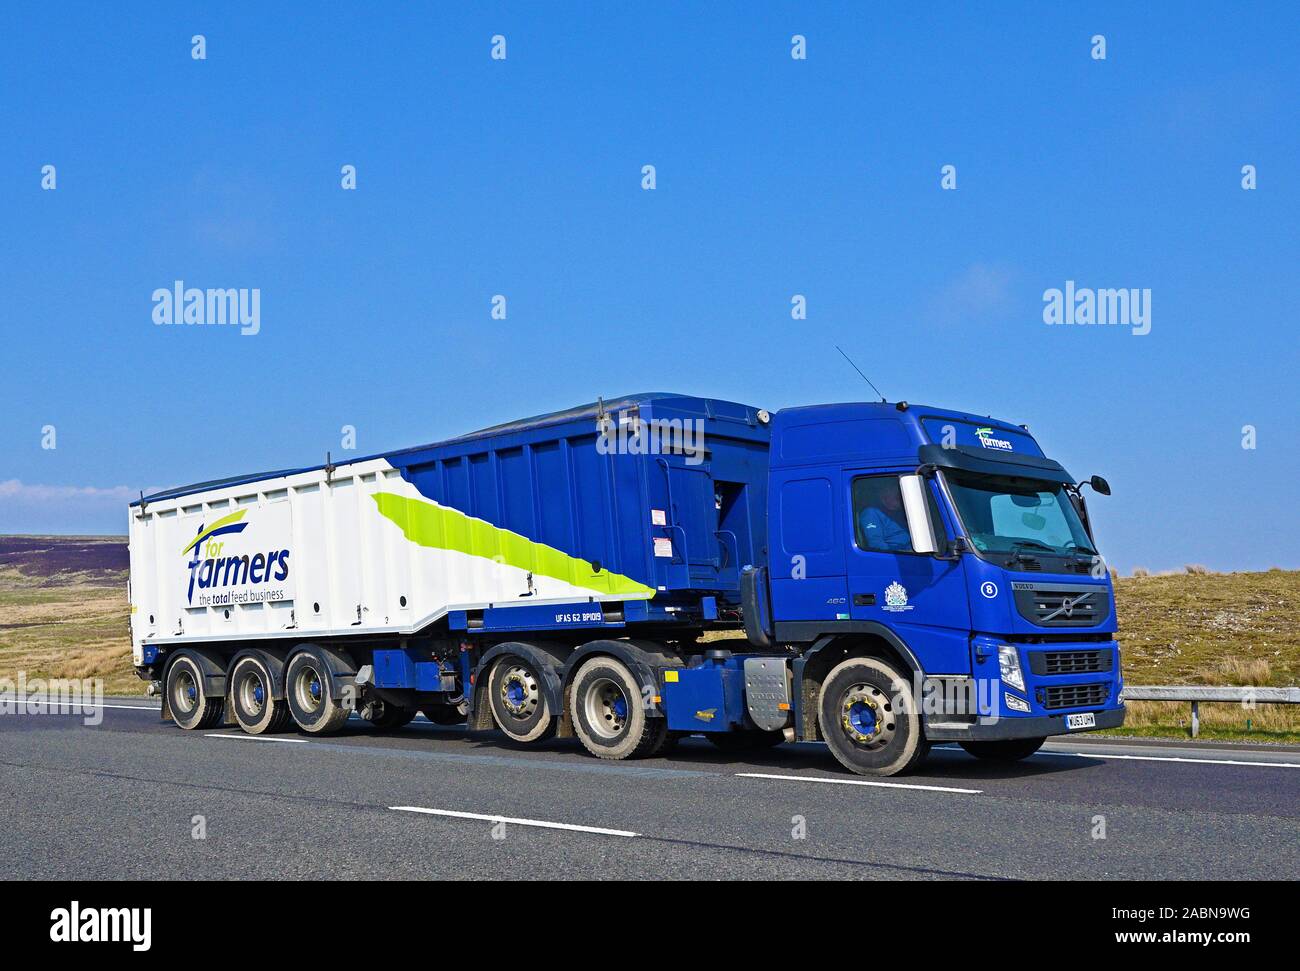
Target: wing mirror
x=1099 y=485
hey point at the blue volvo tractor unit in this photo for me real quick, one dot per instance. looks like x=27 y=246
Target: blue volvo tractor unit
x=879 y=577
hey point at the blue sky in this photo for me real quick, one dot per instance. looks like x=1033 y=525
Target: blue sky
x=775 y=177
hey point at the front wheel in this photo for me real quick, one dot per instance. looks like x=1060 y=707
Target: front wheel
x=1011 y=750
x=870 y=719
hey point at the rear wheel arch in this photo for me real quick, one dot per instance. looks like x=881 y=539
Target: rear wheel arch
x=545 y=658
x=275 y=660
x=647 y=660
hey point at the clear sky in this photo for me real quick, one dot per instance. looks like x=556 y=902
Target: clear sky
x=774 y=177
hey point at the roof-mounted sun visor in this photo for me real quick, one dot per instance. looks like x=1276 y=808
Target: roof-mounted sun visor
x=968 y=459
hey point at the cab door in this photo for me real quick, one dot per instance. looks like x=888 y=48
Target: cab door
x=920 y=597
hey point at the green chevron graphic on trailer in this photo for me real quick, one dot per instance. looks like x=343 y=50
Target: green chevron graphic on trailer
x=443 y=528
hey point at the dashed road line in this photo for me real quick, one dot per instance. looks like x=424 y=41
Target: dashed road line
x=1169 y=758
x=857 y=782
x=539 y=823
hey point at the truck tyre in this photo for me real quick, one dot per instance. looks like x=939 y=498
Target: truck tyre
x=609 y=712
x=190 y=706
x=309 y=689
x=441 y=714
x=748 y=740
x=668 y=745
x=387 y=716
x=250 y=698
x=870 y=718
x=1010 y=750
x=519 y=701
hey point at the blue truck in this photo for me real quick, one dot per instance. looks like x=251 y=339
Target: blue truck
x=877 y=576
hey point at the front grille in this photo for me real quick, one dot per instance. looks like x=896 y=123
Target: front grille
x=1076 y=695
x=1070 y=662
x=1062 y=605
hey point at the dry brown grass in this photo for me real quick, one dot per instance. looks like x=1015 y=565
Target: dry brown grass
x=1211 y=628
x=71 y=625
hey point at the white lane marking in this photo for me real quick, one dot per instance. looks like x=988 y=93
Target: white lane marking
x=258 y=738
x=542 y=823
x=1170 y=758
x=856 y=782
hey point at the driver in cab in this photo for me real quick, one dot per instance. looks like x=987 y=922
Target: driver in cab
x=882 y=523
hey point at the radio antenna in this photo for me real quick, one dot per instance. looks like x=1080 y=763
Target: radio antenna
x=859 y=370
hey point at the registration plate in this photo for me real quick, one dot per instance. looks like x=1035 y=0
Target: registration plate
x=1085 y=720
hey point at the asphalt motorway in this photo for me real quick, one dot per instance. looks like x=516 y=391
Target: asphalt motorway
x=134 y=798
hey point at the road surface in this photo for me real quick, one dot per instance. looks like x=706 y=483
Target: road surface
x=136 y=798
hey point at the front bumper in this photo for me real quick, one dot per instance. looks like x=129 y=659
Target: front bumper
x=1008 y=727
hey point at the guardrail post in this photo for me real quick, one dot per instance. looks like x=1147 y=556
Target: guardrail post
x=1196 y=718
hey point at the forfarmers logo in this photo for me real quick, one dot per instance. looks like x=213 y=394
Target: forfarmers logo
x=211 y=568
x=989 y=440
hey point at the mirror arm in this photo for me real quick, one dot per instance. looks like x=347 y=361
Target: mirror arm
x=954 y=551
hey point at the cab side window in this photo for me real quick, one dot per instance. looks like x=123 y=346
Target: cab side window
x=879 y=523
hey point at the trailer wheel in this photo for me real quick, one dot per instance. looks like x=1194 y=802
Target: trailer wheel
x=1010 y=750
x=870 y=718
x=309 y=689
x=386 y=716
x=519 y=701
x=250 y=698
x=190 y=706
x=609 y=712
x=745 y=741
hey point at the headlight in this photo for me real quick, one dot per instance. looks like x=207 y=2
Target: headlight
x=1009 y=663
x=1014 y=703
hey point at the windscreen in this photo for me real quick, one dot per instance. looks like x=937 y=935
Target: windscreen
x=1017 y=515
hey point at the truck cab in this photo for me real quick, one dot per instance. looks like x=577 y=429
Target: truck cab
x=951 y=545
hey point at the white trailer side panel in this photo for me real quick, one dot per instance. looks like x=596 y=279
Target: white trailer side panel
x=358 y=552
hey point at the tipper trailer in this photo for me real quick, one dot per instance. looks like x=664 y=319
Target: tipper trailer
x=878 y=576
